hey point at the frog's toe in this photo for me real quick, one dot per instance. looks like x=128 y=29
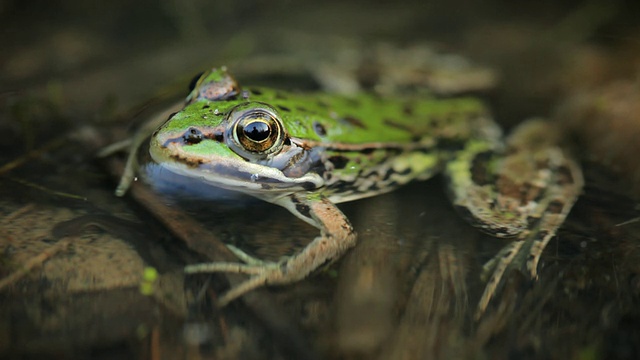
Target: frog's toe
x=261 y=275
x=250 y=265
x=499 y=262
x=246 y=258
x=244 y=287
x=229 y=267
x=494 y=270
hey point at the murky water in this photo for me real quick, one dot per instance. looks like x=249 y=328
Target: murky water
x=75 y=278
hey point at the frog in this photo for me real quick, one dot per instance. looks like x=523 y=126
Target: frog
x=309 y=151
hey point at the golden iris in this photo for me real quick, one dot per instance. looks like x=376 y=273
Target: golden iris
x=258 y=131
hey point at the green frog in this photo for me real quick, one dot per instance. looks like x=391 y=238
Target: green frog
x=308 y=152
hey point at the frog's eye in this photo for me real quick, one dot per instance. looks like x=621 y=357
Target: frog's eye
x=258 y=130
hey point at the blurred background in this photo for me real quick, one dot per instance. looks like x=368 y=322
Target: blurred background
x=78 y=75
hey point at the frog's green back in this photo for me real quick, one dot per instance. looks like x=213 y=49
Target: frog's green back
x=369 y=118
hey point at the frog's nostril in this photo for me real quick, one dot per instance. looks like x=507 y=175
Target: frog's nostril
x=192 y=136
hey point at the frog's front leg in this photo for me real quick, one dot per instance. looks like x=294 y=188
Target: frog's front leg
x=336 y=237
x=133 y=144
x=523 y=191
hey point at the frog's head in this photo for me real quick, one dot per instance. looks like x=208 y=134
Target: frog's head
x=235 y=144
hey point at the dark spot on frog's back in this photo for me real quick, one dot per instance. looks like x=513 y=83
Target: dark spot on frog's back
x=284 y=108
x=395 y=124
x=255 y=92
x=319 y=129
x=339 y=162
x=354 y=121
x=408 y=109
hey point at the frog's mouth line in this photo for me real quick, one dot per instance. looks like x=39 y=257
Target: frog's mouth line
x=231 y=178
x=232 y=173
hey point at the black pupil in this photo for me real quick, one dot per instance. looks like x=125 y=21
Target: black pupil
x=257 y=131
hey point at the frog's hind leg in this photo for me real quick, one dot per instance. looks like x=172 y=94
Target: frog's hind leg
x=528 y=246
x=524 y=192
x=561 y=195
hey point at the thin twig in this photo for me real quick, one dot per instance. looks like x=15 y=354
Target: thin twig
x=34 y=262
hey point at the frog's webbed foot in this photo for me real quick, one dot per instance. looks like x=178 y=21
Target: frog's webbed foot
x=335 y=238
x=260 y=270
x=523 y=192
x=261 y=273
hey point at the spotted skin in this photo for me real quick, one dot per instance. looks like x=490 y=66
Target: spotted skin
x=308 y=152
x=535 y=186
